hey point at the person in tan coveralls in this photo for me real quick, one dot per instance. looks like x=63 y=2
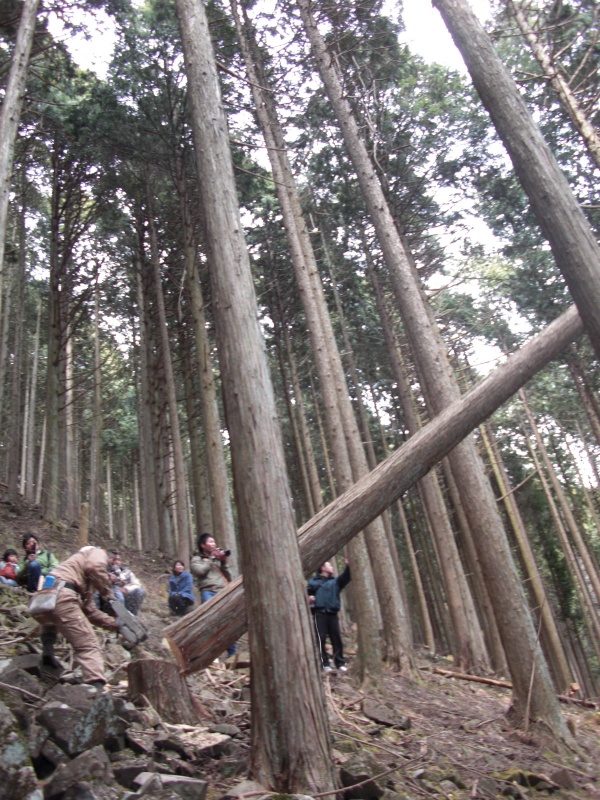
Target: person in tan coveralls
x=84 y=573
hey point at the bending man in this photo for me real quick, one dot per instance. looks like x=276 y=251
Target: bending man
x=84 y=573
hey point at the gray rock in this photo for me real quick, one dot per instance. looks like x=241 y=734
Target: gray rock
x=24 y=679
x=244 y=787
x=80 y=697
x=448 y=786
x=360 y=767
x=186 y=788
x=127 y=771
x=17 y=777
x=79 y=730
x=30 y=663
x=59 y=720
x=36 y=737
x=225 y=728
x=168 y=764
x=140 y=742
x=488 y=788
x=128 y=711
x=563 y=778
x=91 y=766
x=385 y=715
x=100 y=725
x=148 y=782
x=53 y=755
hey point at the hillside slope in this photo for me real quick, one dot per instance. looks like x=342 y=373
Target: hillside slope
x=438 y=738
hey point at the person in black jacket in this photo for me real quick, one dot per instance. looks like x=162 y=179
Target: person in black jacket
x=324 y=598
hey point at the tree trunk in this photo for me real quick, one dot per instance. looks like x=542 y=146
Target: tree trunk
x=589 y=613
x=10 y=113
x=562 y=670
x=109 y=499
x=221 y=521
x=468 y=643
x=71 y=473
x=149 y=507
x=290 y=749
x=588 y=399
x=348 y=453
x=558 y=214
x=203 y=634
x=591 y=573
x=15 y=424
x=51 y=463
x=96 y=494
x=29 y=466
x=160 y=683
x=182 y=532
x=421 y=598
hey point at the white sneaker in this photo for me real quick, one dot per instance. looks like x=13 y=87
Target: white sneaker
x=343 y=668
x=328 y=669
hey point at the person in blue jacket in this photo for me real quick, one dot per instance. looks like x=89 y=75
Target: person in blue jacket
x=181 y=590
x=324 y=598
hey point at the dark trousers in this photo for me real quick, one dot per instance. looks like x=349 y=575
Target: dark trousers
x=327 y=624
x=31 y=576
x=180 y=605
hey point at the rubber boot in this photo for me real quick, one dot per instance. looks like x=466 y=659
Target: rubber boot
x=48 y=639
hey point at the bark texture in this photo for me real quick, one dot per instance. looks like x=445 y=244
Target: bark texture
x=10 y=113
x=290 y=740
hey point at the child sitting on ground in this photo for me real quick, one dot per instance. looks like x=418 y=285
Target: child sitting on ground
x=8 y=568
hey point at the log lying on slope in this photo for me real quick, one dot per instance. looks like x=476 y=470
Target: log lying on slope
x=200 y=636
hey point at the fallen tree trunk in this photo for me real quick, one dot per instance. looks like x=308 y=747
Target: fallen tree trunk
x=461 y=676
x=200 y=636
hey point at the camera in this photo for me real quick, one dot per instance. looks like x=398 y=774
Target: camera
x=226 y=553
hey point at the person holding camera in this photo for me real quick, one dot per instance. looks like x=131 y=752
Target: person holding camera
x=209 y=567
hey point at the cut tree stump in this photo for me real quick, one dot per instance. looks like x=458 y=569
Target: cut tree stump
x=162 y=685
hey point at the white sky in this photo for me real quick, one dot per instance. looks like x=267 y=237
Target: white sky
x=426 y=33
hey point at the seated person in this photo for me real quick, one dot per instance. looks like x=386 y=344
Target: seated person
x=126 y=586
x=36 y=564
x=181 y=590
x=8 y=568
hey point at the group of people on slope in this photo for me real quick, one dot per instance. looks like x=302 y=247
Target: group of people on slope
x=210 y=569
x=30 y=571
x=93 y=576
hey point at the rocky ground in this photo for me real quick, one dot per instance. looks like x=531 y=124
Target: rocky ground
x=440 y=737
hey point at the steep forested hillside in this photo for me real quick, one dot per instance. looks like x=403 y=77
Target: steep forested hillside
x=249 y=279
